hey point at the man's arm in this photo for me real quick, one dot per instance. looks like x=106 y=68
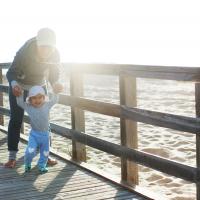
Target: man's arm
x=21 y=103
x=54 y=71
x=15 y=71
x=54 y=68
x=53 y=100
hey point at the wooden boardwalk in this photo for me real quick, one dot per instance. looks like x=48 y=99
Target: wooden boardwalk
x=63 y=181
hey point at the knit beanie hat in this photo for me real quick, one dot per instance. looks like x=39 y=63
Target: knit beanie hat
x=34 y=91
x=46 y=37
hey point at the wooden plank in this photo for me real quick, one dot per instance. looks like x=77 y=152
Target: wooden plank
x=77 y=117
x=96 y=193
x=83 y=192
x=57 y=183
x=144 y=71
x=34 y=171
x=176 y=122
x=5 y=65
x=128 y=129
x=164 y=75
x=91 y=105
x=4 y=88
x=197 y=107
x=50 y=191
x=1 y=98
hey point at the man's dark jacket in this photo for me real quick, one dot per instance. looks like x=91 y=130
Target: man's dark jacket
x=28 y=70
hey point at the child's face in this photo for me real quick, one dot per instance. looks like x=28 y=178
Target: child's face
x=37 y=101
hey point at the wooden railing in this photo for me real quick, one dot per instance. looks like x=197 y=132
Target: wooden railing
x=129 y=115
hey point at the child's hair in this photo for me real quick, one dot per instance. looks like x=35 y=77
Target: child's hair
x=34 y=91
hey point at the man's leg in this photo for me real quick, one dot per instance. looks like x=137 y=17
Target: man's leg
x=50 y=161
x=16 y=117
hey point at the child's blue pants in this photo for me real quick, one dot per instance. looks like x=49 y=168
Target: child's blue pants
x=37 y=139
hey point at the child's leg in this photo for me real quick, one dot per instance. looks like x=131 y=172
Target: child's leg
x=30 y=150
x=44 y=150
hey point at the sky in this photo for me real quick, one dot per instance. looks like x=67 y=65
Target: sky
x=151 y=32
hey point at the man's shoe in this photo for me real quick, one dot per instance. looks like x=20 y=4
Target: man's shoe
x=51 y=162
x=10 y=164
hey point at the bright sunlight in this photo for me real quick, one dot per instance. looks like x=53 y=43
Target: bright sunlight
x=107 y=31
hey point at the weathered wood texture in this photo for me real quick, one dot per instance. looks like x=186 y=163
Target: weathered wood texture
x=128 y=128
x=1 y=98
x=77 y=117
x=197 y=106
x=176 y=122
x=144 y=71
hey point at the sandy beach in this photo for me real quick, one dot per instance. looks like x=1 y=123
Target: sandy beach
x=164 y=96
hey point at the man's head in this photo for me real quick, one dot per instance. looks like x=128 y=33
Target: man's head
x=46 y=42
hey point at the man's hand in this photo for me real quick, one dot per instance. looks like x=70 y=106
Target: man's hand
x=57 y=87
x=17 y=90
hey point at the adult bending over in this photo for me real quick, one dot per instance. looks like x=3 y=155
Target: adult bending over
x=36 y=62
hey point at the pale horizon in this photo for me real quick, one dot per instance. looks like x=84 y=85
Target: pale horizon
x=107 y=31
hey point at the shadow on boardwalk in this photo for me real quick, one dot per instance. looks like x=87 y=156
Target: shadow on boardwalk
x=63 y=181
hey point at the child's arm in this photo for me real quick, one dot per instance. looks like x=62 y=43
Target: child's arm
x=53 y=100
x=20 y=102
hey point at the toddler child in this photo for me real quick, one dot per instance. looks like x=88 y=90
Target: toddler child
x=38 y=108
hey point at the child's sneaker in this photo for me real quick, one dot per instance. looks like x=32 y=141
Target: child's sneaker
x=43 y=170
x=27 y=168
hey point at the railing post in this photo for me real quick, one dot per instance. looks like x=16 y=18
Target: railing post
x=197 y=106
x=77 y=117
x=129 y=138
x=1 y=97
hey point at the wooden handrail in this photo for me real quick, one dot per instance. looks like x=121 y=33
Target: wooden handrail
x=176 y=122
x=143 y=71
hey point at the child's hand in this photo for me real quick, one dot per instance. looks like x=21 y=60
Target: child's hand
x=57 y=87
x=17 y=90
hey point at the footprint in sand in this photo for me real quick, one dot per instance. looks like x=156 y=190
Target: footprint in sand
x=177 y=144
x=170 y=185
x=179 y=159
x=185 y=149
x=154 y=177
x=145 y=169
x=163 y=181
x=183 y=198
x=157 y=151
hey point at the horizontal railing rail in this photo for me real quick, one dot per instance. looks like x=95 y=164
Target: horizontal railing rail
x=176 y=122
x=142 y=71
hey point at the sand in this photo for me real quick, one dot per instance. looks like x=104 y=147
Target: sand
x=164 y=96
